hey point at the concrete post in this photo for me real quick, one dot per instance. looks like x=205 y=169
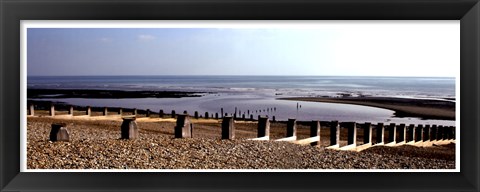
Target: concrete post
x=32 y=110
x=173 y=114
x=120 y=111
x=263 y=127
x=196 y=114
x=426 y=133
x=59 y=132
x=334 y=133
x=105 y=111
x=380 y=133
x=411 y=133
x=402 y=133
x=433 y=133
x=392 y=132
x=206 y=115
x=367 y=133
x=419 y=133
x=148 y=113
x=129 y=128
x=352 y=133
x=70 y=110
x=315 y=131
x=291 y=127
x=228 y=129
x=89 y=111
x=52 y=110
x=161 y=114
x=183 y=128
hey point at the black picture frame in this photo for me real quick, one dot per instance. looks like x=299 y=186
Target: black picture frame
x=13 y=11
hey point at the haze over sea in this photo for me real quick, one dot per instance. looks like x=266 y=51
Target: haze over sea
x=255 y=93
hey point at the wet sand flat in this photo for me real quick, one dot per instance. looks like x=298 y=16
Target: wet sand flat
x=403 y=107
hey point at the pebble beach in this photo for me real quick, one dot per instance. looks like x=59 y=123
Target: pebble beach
x=96 y=144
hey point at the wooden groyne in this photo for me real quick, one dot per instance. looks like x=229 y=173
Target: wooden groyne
x=372 y=134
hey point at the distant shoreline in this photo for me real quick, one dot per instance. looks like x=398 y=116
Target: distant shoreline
x=106 y=94
x=403 y=107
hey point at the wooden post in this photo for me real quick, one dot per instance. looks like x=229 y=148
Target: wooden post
x=221 y=112
x=411 y=133
x=367 y=133
x=173 y=114
x=196 y=114
x=419 y=133
x=380 y=133
x=392 y=132
x=160 y=114
x=105 y=111
x=273 y=118
x=334 y=133
x=148 y=113
x=52 y=110
x=291 y=128
x=445 y=133
x=89 y=111
x=426 y=133
x=352 y=133
x=70 y=110
x=59 y=132
x=228 y=129
x=235 y=114
x=402 y=133
x=216 y=115
x=440 y=133
x=129 y=129
x=452 y=133
x=206 y=115
x=433 y=133
x=183 y=128
x=135 y=112
x=315 y=131
x=120 y=111
x=32 y=110
x=263 y=127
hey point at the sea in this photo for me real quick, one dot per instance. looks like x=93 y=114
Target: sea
x=258 y=95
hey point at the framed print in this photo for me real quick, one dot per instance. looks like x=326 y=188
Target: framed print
x=215 y=95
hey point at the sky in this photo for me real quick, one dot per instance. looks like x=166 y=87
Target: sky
x=337 y=49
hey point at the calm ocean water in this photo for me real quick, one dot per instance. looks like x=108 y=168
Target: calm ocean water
x=258 y=93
